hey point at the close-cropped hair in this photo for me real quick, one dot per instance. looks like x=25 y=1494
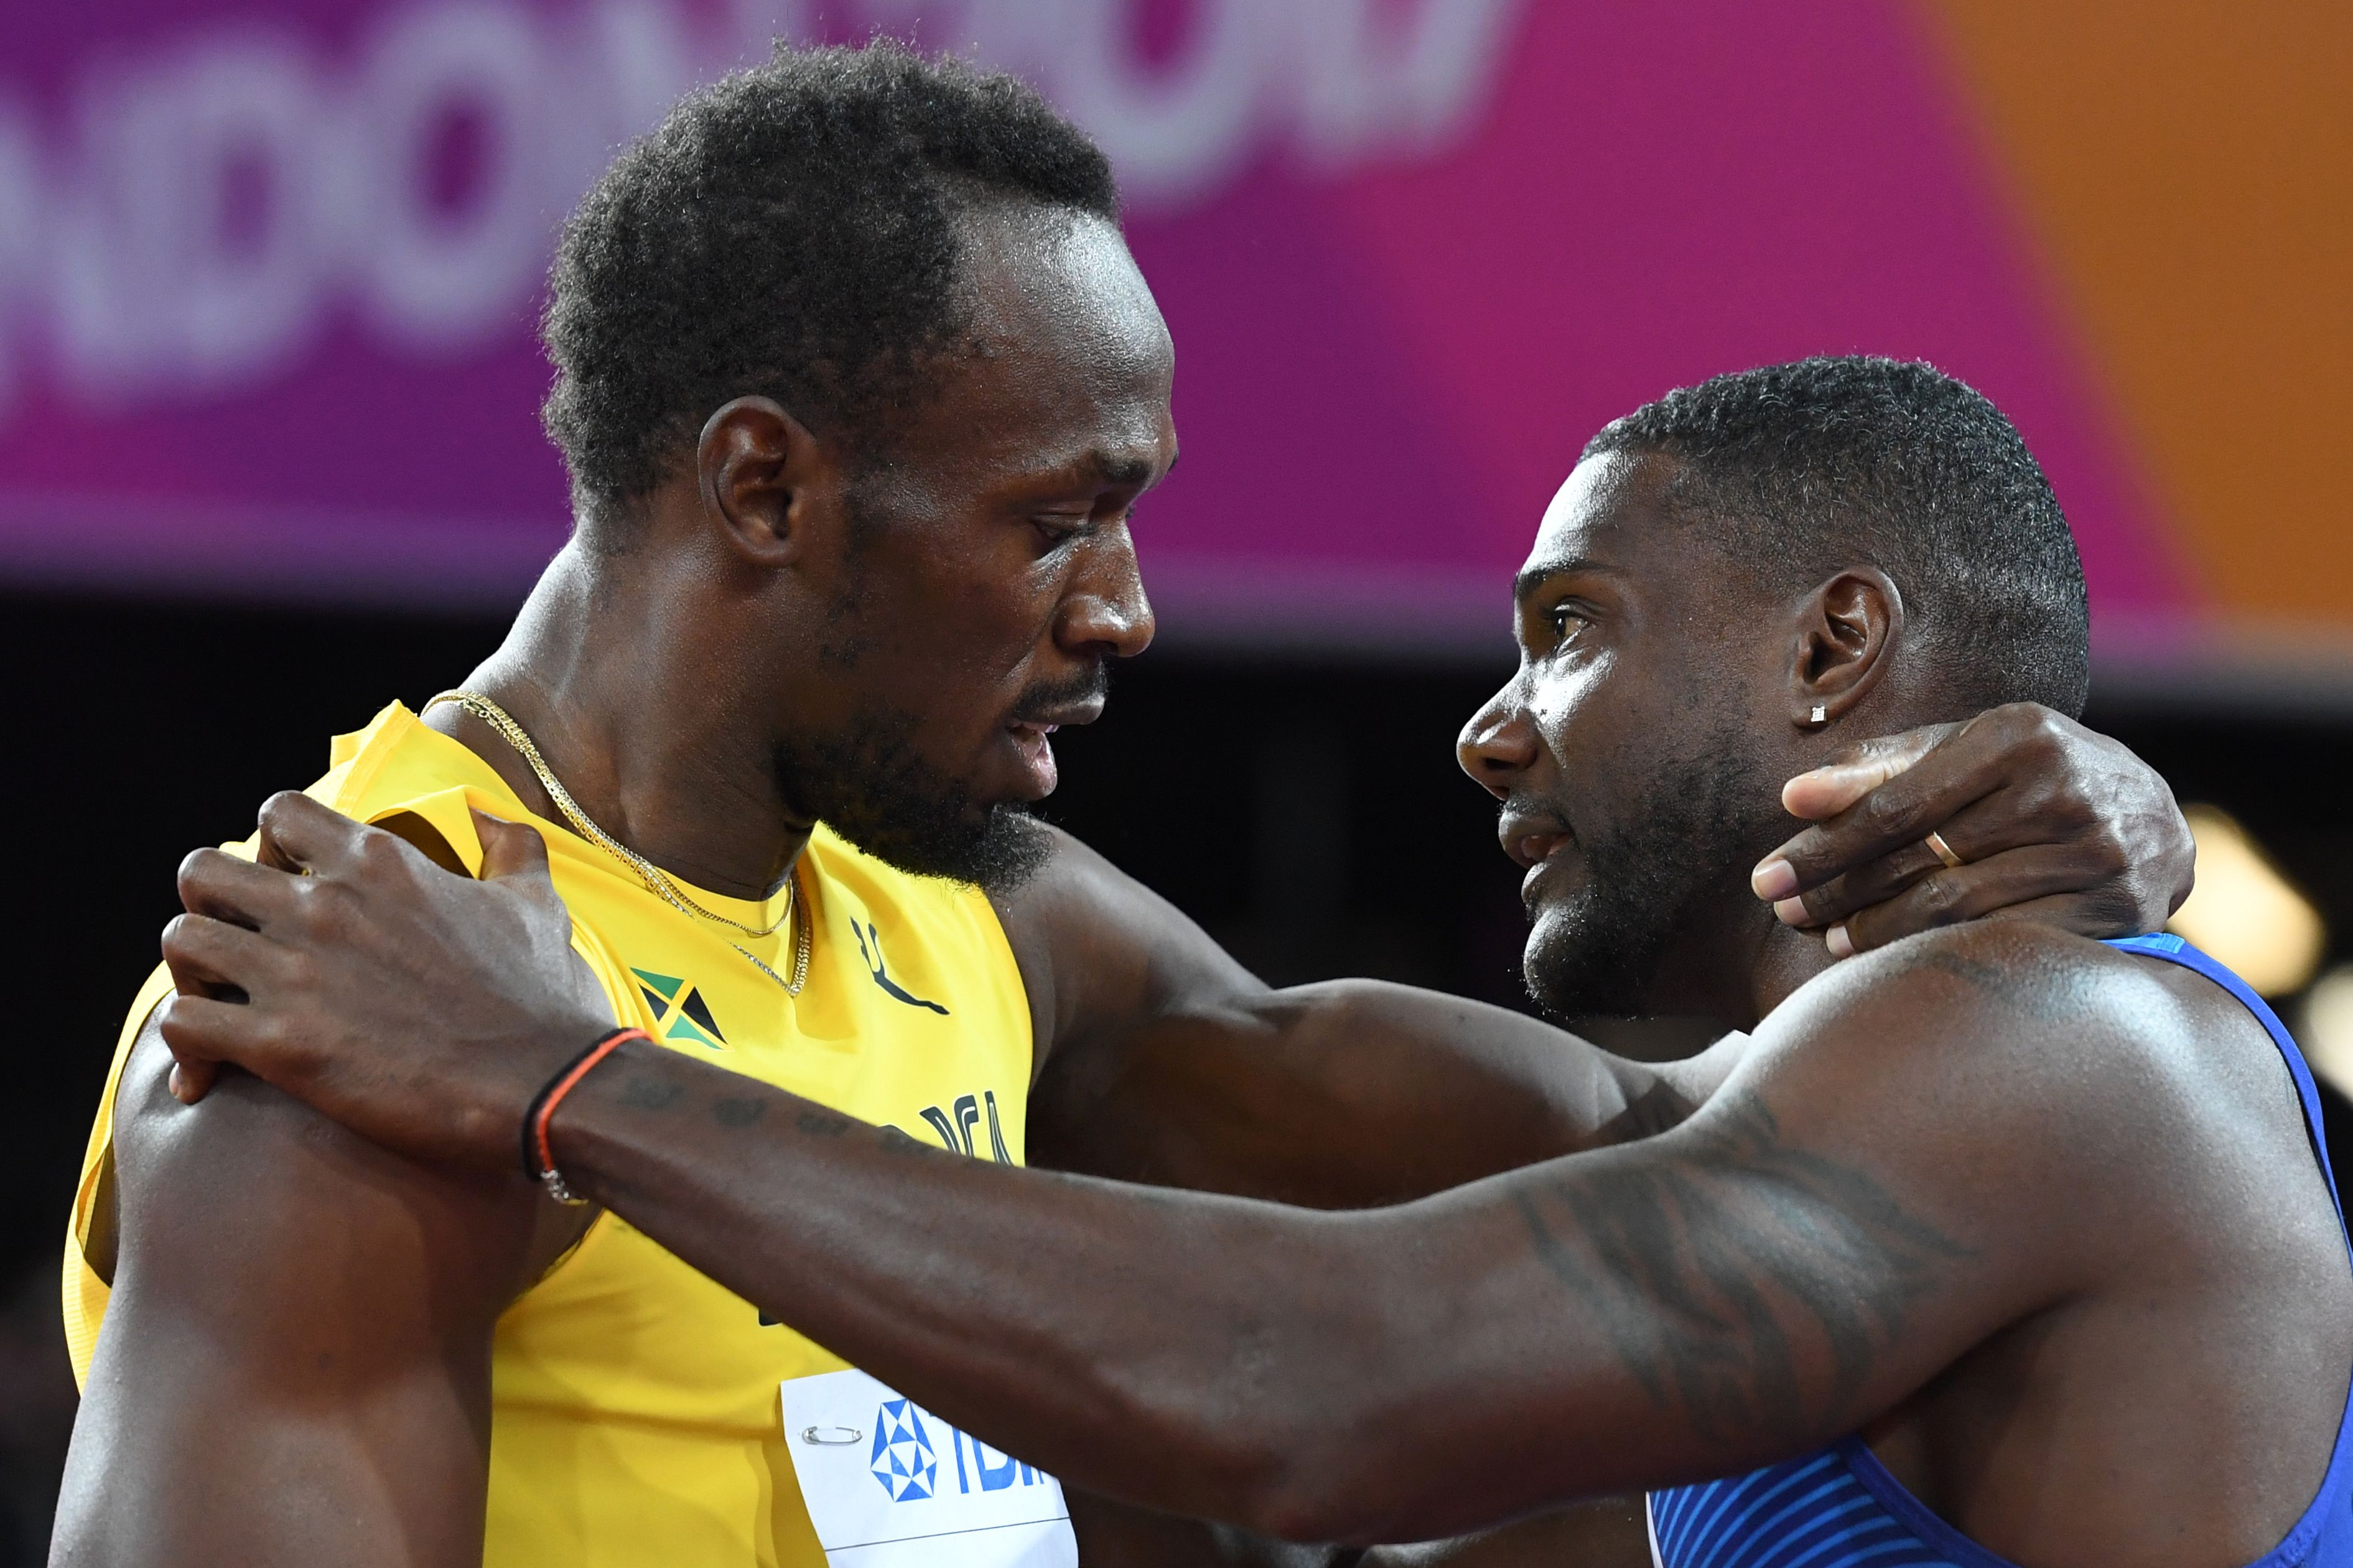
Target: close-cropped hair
x=1798 y=471
x=793 y=231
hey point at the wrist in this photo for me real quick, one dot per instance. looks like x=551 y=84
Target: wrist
x=535 y=1133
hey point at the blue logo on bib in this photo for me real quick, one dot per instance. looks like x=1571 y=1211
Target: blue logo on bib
x=902 y=1459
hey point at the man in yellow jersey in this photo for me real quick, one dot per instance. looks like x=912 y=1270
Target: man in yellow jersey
x=858 y=387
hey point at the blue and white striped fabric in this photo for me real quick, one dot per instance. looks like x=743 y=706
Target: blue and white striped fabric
x=1839 y=1508
x=1808 y=1513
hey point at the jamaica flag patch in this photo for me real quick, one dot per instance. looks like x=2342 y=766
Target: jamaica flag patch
x=680 y=1012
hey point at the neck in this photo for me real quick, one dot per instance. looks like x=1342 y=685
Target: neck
x=633 y=724
x=1734 y=963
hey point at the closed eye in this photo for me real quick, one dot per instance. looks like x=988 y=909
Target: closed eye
x=1058 y=528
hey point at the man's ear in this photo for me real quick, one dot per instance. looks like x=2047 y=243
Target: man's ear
x=763 y=480
x=1847 y=633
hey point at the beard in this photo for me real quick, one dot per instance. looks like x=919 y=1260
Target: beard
x=1648 y=877
x=872 y=785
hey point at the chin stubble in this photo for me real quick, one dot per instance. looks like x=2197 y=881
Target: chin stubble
x=1601 y=951
x=874 y=787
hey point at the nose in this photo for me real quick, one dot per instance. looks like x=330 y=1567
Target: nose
x=1499 y=744
x=1104 y=610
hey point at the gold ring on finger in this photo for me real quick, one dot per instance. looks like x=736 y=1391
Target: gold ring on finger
x=1943 y=851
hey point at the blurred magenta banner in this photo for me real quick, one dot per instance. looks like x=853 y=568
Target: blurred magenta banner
x=269 y=272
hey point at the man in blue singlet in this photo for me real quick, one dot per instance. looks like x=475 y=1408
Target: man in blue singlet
x=1996 y=1244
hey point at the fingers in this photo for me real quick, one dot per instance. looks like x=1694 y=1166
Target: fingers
x=204 y=1035
x=229 y=887
x=1859 y=889
x=511 y=850
x=2104 y=828
x=1977 y=833
x=192 y=1080
x=1961 y=767
x=299 y=834
x=1858 y=769
x=201 y=1030
x=2015 y=882
x=214 y=958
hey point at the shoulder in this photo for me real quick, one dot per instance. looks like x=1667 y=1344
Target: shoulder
x=2006 y=982
x=1078 y=896
x=248 y=1214
x=2024 y=1041
x=299 y=1310
x=402 y=775
x=1098 y=948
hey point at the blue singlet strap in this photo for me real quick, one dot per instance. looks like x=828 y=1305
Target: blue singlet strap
x=2173 y=950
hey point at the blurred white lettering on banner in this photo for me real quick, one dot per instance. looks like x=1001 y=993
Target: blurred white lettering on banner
x=189 y=222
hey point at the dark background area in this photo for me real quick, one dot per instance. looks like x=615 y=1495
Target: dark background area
x=1311 y=816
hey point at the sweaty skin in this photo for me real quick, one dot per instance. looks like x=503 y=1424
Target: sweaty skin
x=1916 y=1204
x=743 y=612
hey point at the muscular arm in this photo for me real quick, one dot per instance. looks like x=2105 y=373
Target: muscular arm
x=295 y=1362
x=1792 y=1259
x=371 y=1078
x=1161 y=1060
x=1167 y=1063
x=1164 y=1061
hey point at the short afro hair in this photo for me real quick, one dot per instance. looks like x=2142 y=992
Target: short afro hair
x=1800 y=469
x=790 y=230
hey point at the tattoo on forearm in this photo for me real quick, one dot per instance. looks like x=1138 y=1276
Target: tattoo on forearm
x=821 y=1123
x=1712 y=1274
x=738 y=1111
x=647 y=1092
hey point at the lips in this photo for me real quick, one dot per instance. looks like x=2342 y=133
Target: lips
x=1031 y=731
x=1031 y=742
x=1530 y=841
x=1085 y=711
x=1538 y=844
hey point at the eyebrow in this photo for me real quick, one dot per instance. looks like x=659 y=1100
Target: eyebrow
x=1534 y=577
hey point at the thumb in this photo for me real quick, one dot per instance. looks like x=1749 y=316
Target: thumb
x=1858 y=769
x=512 y=852
x=192 y=1079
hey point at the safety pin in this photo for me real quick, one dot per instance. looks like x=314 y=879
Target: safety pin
x=821 y=1435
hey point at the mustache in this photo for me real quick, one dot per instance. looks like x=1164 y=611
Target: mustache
x=1047 y=696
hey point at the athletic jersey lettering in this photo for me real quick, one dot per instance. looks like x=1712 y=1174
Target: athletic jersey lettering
x=636 y=1416
x=1839 y=1508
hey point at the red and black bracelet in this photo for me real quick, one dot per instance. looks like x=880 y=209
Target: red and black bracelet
x=538 y=1163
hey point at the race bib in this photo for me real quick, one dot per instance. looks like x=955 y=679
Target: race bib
x=890 y=1485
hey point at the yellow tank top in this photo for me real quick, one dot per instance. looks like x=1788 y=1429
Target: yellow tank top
x=635 y=1417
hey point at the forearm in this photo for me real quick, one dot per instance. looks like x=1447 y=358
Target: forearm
x=1118 y=1535
x=1226 y=1338
x=1345 y=1094
x=1608 y=1532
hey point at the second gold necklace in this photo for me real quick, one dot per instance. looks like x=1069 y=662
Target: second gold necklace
x=657 y=881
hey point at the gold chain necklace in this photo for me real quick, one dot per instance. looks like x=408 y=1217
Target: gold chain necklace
x=656 y=880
